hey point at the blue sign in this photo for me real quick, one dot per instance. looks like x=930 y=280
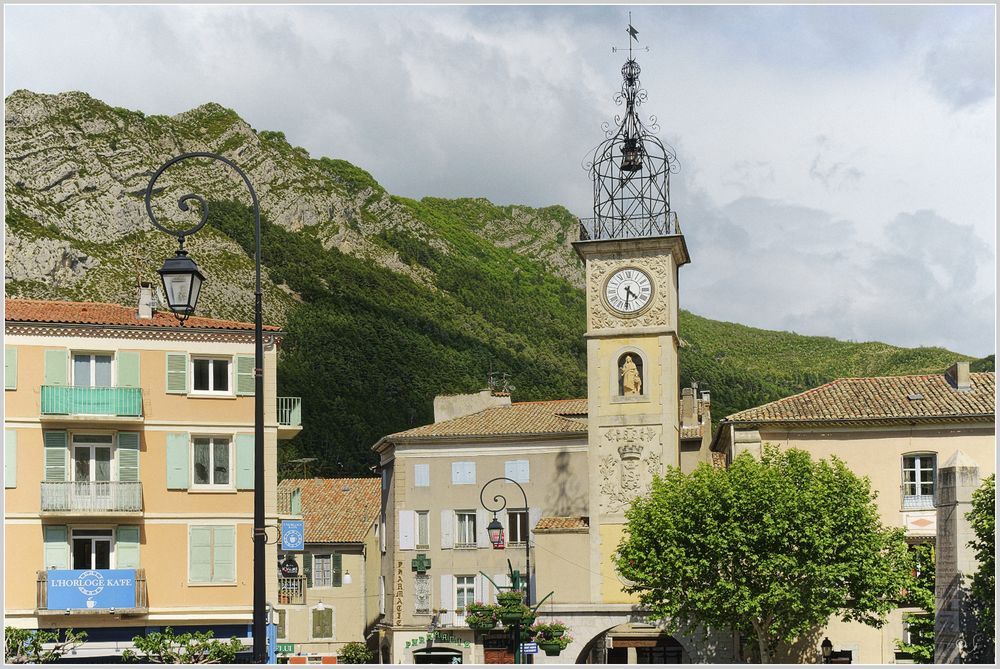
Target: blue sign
x=293 y=535
x=529 y=648
x=91 y=589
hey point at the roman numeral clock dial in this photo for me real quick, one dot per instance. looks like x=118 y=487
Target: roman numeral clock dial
x=628 y=291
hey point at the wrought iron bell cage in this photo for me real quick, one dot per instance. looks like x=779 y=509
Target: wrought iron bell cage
x=631 y=172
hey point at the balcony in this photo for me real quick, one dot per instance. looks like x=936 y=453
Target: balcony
x=108 y=402
x=291 y=589
x=289 y=417
x=90 y=497
x=119 y=592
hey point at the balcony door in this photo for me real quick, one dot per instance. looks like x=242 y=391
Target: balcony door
x=91 y=370
x=92 y=471
x=92 y=549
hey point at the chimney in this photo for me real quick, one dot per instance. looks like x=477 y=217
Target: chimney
x=447 y=407
x=145 y=301
x=958 y=376
x=689 y=408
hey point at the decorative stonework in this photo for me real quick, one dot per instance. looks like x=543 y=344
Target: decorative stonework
x=422 y=593
x=657 y=266
x=629 y=458
x=139 y=333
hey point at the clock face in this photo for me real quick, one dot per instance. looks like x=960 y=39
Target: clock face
x=628 y=291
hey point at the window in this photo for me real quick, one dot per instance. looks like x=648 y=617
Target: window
x=466 y=537
x=463 y=473
x=381 y=532
x=465 y=594
x=91 y=462
x=517 y=527
x=326 y=570
x=210 y=375
x=279 y=615
x=516 y=470
x=423 y=529
x=212 y=463
x=918 y=481
x=322 y=623
x=385 y=478
x=92 y=549
x=92 y=370
x=211 y=554
x=381 y=595
x=421 y=476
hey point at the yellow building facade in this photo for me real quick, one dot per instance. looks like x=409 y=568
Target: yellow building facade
x=129 y=460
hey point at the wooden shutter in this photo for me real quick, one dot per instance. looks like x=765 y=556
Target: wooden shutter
x=244 y=461
x=56 y=367
x=510 y=469
x=447 y=528
x=10 y=458
x=128 y=456
x=407 y=540
x=337 y=569
x=200 y=554
x=447 y=597
x=421 y=476
x=322 y=623
x=56 y=546
x=56 y=455
x=281 y=622
x=128 y=369
x=307 y=568
x=178 y=446
x=10 y=368
x=296 y=503
x=244 y=375
x=482 y=536
x=456 y=472
x=224 y=554
x=127 y=547
x=523 y=471
x=177 y=366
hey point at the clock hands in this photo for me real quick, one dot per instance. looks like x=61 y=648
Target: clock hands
x=629 y=294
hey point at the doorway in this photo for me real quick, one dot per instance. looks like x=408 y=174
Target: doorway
x=92 y=463
x=437 y=656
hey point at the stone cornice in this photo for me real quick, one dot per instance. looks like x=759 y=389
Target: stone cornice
x=133 y=333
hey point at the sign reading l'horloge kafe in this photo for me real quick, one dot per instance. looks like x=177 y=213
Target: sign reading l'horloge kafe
x=91 y=589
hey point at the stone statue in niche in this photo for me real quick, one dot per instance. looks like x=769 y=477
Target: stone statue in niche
x=631 y=377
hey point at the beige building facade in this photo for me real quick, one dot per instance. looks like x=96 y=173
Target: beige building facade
x=128 y=443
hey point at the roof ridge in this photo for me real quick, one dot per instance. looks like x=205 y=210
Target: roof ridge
x=569 y=399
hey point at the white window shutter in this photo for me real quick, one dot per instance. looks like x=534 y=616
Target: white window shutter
x=471 y=475
x=534 y=515
x=482 y=536
x=447 y=598
x=502 y=580
x=510 y=469
x=421 y=475
x=481 y=584
x=447 y=528
x=406 y=530
x=523 y=472
x=457 y=472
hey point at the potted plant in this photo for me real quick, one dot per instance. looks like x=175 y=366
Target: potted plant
x=510 y=598
x=480 y=616
x=549 y=631
x=553 y=647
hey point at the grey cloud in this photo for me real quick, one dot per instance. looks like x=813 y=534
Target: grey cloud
x=960 y=71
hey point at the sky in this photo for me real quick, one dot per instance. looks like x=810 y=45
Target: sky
x=838 y=163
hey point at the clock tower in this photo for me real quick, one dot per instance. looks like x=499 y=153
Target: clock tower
x=632 y=248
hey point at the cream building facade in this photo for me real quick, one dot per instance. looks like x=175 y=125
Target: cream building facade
x=128 y=443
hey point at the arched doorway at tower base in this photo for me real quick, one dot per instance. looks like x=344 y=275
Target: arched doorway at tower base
x=633 y=644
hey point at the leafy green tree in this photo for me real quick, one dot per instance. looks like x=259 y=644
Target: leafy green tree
x=22 y=646
x=771 y=547
x=983 y=586
x=166 y=647
x=920 y=593
x=354 y=652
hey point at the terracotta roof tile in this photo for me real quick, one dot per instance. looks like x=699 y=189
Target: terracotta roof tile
x=551 y=417
x=880 y=398
x=691 y=432
x=563 y=523
x=337 y=510
x=103 y=313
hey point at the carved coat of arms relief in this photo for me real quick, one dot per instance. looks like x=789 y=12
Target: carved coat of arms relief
x=629 y=459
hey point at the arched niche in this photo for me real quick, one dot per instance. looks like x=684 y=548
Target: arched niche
x=639 y=368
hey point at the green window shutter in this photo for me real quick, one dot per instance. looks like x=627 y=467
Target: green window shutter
x=56 y=367
x=56 y=546
x=177 y=365
x=56 y=455
x=244 y=374
x=10 y=367
x=10 y=458
x=127 y=547
x=128 y=456
x=322 y=626
x=244 y=461
x=128 y=369
x=200 y=554
x=224 y=554
x=281 y=622
x=296 y=506
x=336 y=563
x=177 y=461
x=307 y=568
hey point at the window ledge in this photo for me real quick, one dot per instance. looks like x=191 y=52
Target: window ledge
x=214 y=491
x=213 y=396
x=466 y=547
x=630 y=399
x=212 y=585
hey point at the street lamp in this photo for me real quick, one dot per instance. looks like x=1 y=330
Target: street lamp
x=827 y=648
x=182 y=284
x=495 y=530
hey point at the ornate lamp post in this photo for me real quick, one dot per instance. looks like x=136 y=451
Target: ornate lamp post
x=827 y=649
x=182 y=284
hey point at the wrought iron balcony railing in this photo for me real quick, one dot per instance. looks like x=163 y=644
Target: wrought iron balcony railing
x=290 y=411
x=97 y=401
x=291 y=589
x=915 y=502
x=601 y=227
x=92 y=496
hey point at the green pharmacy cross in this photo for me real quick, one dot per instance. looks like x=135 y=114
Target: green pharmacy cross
x=420 y=564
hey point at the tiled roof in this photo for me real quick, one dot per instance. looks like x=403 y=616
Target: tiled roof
x=691 y=432
x=103 y=313
x=336 y=510
x=553 y=417
x=880 y=398
x=563 y=523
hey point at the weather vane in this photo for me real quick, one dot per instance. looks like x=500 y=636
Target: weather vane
x=633 y=34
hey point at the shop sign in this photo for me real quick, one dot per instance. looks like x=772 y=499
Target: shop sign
x=293 y=535
x=529 y=648
x=285 y=648
x=441 y=637
x=90 y=589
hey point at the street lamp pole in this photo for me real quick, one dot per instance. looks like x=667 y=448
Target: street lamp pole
x=185 y=299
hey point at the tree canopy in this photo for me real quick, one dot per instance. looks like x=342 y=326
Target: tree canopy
x=772 y=547
x=25 y=646
x=983 y=586
x=166 y=647
x=920 y=646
